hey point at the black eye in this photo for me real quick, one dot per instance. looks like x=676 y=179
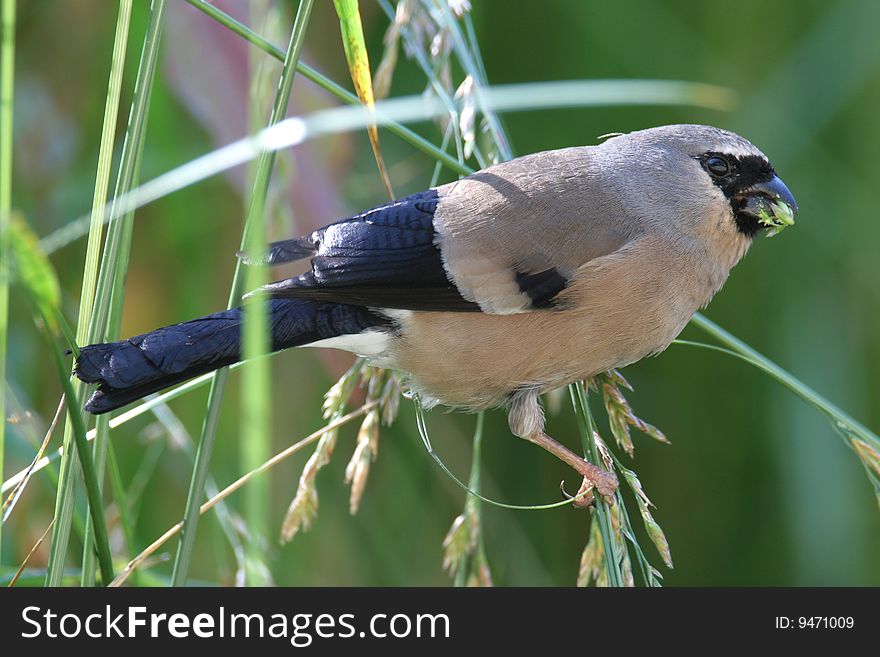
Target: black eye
x=717 y=166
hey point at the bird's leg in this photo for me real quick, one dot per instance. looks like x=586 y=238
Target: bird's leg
x=604 y=482
x=526 y=419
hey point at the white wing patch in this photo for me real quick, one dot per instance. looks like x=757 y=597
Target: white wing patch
x=481 y=279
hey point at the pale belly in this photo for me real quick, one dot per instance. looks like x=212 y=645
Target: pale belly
x=619 y=309
x=473 y=360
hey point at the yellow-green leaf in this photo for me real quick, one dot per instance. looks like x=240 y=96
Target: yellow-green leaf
x=32 y=269
x=359 y=68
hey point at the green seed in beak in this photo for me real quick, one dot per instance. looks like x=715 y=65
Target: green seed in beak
x=777 y=218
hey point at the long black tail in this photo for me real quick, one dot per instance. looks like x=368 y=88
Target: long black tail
x=130 y=369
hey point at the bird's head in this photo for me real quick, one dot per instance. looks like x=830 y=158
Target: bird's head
x=700 y=173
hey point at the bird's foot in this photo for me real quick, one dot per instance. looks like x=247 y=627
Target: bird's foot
x=604 y=482
x=594 y=476
x=584 y=498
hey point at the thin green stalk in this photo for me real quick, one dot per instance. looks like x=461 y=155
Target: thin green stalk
x=841 y=420
x=119 y=420
x=106 y=315
x=436 y=84
x=586 y=427
x=255 y=417
x=255 y=338
x=107 y=277
x=329 y=85
x=93 y=250
x=90 y=477
x=472 y=505
x=7 y=79
x=426 y=441
x=469 y=61
x=256 y=382
x=110 y=333
x=438 y=167
x=121 y=498
x=650 y=576
x=122 y=507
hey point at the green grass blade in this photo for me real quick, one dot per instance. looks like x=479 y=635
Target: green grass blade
x=327 y=84
x=472 y=511
x=33 y=271
x=586 y=427
x=7 y=77
x=38 y=277
x=122 y=507
x=93 y=249
x=255 y=339
x=105 y=322
x=90 y=477
x=296 y=130
x=359 y=68
x=115 y=250
x=468 y=60
x=840 y=420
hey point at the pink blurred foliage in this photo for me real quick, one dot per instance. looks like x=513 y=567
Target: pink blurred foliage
x=208 y=68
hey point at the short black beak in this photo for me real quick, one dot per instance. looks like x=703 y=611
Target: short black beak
x=770 y=203
x=776 y=190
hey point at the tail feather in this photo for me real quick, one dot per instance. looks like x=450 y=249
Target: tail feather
x=130 y=369
x=284 y=251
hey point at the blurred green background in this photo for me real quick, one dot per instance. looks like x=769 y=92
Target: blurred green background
x=756 y=489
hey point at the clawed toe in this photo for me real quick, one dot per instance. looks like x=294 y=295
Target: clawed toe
x=604 y=482
x=584 y=497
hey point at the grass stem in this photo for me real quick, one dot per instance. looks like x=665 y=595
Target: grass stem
x=7 y=80
x=586 y=427
x=87 y=464
x=93 y=248
x=255 y=338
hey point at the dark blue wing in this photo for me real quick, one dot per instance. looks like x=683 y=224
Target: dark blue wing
x=385 y=257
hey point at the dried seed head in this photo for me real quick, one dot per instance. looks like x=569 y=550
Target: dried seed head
x=441 y=44
x=868 y=455
x=481 y=574
x=301 y=513
x=604 y=452
x=365 y=451
x=385 y=70
x=652 y=527
x=620 y=414
x=459 y=7
x=304 y=507
x=467 y=114
x=617 y=379
x=626 y=570
x=457 y=544
x=593 y=557
x=390 y=399
x=340 y=392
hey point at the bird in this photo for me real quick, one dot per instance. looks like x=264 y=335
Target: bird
x=504 y=285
